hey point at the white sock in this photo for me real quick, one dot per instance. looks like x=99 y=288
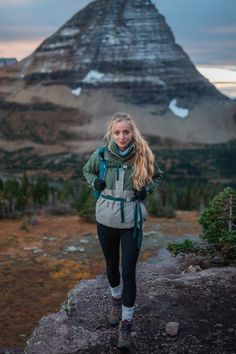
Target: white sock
x=116 y=292
x=127 y=313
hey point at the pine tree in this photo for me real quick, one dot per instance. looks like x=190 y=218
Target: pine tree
x=40 y=190
x=23 y=193
x=10 y=191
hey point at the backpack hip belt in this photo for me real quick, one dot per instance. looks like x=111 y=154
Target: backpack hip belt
x=137 y=211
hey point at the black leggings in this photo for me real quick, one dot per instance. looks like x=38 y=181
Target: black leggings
x=110 y=239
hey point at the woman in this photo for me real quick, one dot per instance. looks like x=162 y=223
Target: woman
x=122 y=174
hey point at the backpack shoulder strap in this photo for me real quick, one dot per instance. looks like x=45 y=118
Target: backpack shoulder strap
x=102 y=162
x=102 y=151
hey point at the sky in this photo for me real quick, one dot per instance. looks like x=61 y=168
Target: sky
x=206 y=29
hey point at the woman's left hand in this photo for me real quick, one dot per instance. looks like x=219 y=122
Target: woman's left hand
x=141 y=194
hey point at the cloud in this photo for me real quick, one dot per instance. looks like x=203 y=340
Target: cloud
x=218 y=74
x=218 y=53
x=22 y=48
x=218 y=44
x=27 y=32
x=222 y=29
x=15 y=2
x=214 y=47
x=227 y=89
x=223 y=77
x=206 y=44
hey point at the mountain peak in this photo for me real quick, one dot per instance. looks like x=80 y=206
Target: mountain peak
x=119 y=55
x=130 y=47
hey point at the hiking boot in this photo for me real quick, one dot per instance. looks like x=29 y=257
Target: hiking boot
x=115 y=314
x=124 y=340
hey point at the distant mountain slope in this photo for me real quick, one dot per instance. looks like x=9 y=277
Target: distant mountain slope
x=7 y=61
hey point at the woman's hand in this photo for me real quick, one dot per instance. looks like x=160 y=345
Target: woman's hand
x=141 y=194
x=99 y=184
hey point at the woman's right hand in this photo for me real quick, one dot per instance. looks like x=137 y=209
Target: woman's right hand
x=99 y=184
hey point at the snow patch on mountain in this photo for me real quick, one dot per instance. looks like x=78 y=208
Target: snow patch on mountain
x=94 y=77
x=76 y=91
x=69 y=31
x=177 y=110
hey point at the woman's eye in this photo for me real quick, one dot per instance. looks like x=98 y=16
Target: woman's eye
x=125 y=132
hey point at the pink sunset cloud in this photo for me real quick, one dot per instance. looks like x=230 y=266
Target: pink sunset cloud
x=23 y=48
x=222 y=29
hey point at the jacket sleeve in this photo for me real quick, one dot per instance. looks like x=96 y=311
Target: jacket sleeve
x=91 y=168
x=157 y=177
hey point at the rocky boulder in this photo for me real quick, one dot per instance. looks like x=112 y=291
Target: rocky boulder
x=176 y=312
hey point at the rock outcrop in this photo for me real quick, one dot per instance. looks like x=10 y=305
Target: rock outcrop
x=176 y=312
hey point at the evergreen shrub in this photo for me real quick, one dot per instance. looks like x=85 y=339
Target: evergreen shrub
x=86 y=203
x=218 y=222
x=185 y=246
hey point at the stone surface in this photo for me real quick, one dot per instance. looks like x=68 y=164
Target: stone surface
x=172 y=328
x=165 y=295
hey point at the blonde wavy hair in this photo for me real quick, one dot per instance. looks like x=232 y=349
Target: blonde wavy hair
x=143 y=158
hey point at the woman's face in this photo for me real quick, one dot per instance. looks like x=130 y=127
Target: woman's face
x=122 y=135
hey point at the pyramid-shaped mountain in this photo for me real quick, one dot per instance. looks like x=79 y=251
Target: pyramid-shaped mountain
x=125 y=45
x=114 y=55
